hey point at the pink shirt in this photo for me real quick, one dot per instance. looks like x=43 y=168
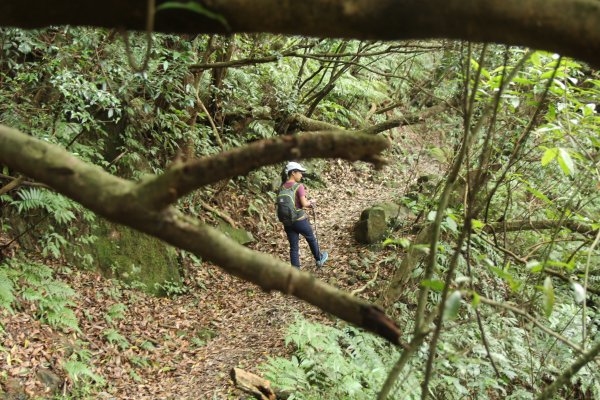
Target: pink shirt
x=299 y=193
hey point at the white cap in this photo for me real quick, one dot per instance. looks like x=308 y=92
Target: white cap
x=294 y=166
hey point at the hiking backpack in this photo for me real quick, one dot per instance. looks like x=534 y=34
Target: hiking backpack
x=286 y=205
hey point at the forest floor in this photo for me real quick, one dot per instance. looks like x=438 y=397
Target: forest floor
x=184 y=347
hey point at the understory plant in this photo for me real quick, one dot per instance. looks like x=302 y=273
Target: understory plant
x=342 y=362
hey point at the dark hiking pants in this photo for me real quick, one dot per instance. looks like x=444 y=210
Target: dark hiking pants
x=293 y=232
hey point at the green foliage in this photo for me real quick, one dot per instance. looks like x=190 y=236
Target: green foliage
x=114 y=337
x=115 y=312
x=346 y=363
x=260 y=130
x=61 y=236
x=74 y=87
x=59 y=207
x=25 y=282
x=7 y=295
x=402 y=242
x=331 y=363
x=77 y=371
x=172 y=288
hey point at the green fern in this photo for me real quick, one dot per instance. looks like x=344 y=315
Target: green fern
x=34 y=283
x=114 y=337
x=62 y=317
x=59 y=207
x=31 y=294
x=33 y=273
x=337 y=363
x=116 y=311
x=7 y=288
x=78 y=370
x=30 y=199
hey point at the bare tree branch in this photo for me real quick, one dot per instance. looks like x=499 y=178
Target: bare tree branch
x=184 y=177
x=15 y=183
x=524 y=225
x=408 y=49
x=568 y=27
x=120 y=201
x=408 y=119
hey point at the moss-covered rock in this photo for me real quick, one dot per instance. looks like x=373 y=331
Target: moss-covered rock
x=239 y=235
x=133 y=257
x=391 y=210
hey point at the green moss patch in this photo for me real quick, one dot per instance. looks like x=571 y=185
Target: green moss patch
x=135 y=258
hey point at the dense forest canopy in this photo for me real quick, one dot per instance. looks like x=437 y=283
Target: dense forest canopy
x=490 y=286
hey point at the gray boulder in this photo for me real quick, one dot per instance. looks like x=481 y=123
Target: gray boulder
x=49 y=379
x=372 y=225
x=374 y=221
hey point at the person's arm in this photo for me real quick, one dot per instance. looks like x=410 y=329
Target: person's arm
x=306 y=203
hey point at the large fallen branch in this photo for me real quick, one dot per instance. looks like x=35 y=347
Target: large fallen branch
x=568 y=27
x=125 y=202
x=527 y=225
x=407 y=119
x=299 y=122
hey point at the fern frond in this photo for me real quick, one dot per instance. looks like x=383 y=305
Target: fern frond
x=7 y=288
x=30 y=199
x=63 y=318
x=114 y=337
x=116 y=311
x=78 y=370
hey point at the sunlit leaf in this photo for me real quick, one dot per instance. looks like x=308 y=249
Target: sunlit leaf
x=548 y=156
x=195 y=8
x=402 y=242
x=534 y=266
x=438 y=154
x=578 y=292
x=476 y=300
x=451 y=224
x=452 y=305
x=436 y=285
x=566 y=162
x=548 y=296
x=589 y=109
x=477 y=224
x=424 y=248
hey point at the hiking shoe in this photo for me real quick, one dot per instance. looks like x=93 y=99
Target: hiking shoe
x=321 y=262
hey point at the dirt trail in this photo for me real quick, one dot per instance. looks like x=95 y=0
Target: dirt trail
x=250 y=325
x=257 y=322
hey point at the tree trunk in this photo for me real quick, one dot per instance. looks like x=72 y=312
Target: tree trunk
x=413 y=257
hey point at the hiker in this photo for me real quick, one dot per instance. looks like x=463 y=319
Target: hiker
x=291 y=202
